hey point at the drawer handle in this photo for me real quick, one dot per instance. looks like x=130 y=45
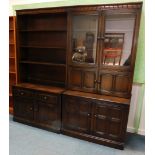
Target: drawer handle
x=31 y=108
x=45 y=97
x=95 y=115
x=21 y=93
x=88 y=115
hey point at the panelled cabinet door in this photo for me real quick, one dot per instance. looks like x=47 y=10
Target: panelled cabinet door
x=47 y=111
x=75 y=78
x=89 y=80
x=23 y=107
x=76 y=114
x=105 y=82
x=82 y=79
x=109 y=120
x=122 y=84
x=114 y=83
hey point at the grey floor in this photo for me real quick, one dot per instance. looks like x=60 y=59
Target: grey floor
x=27 y=140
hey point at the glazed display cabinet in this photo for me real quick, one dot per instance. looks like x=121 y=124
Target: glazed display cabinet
x=75 y=69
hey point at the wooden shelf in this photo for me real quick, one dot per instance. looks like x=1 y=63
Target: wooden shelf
x=11 y=110
x=12 y=72
x=10 y=94
x=11 y=43
x=44 y=47
x=43 y=63
x=43 y=30
x=11 y=57
x=50 y=89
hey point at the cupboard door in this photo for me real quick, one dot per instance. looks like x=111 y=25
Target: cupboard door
x=100 y=120
x=122 y=83
x=47 y=111
x=76 y=114
x=23 y=104
x=110 y=120
x=89 y=80
x=82 y=79
x=118 y=32
x=84 y=30
x=105 y=82
x=114 y=83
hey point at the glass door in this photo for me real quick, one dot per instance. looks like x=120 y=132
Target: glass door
x=118 y=36
x=84 y=38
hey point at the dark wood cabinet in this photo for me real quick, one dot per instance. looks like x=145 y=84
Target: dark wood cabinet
x=38 y=108
x=75 y=69
x=103 y=41
x=91 y=117
x=94 y=119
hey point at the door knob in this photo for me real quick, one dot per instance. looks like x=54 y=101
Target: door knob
x=31 y=108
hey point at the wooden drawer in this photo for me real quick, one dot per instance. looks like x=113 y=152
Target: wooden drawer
x=47 y=98
x=22 y=92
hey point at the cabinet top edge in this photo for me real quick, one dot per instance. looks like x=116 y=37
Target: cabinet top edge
x=90 y=7
x=98 y=97
x=49 y=89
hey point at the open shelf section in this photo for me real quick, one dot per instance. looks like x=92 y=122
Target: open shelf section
x=42 y=74
x=43 y=39
x=43 y=22
x=44 y=55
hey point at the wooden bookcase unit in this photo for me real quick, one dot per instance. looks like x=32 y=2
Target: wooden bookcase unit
x=75 y=69
x=12 y=59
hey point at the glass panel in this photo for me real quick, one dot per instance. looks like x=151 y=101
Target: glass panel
x=84 y=34
x=118 y=39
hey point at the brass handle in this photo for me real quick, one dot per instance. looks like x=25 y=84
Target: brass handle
x=45 y=97
x=88 y=115
x=21 y=93
x=31 y=108
x=95 y=81
x=95 y=115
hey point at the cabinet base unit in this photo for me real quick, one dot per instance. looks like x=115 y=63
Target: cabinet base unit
x=39 y=107
x=96 y=118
